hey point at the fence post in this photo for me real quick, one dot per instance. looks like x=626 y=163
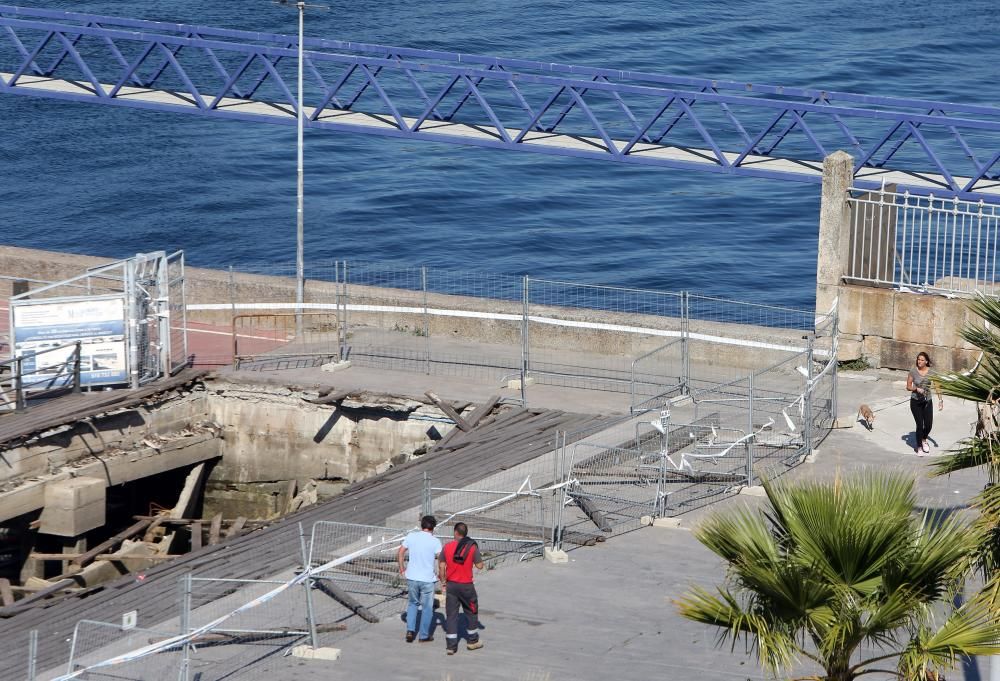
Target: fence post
x=336 y=303
x=425 y=501
x=32 y=654
x=685 y=338
x=661 y=480
x=184 y=587
x=750 y=429
x=558 y=529
x=427 y=325
x=131 y=290
x=76 y=367
x=307 y=583
x=19 y=401
x=346 y=299
x=833 y=358
x=807 y=430
x=525 y=358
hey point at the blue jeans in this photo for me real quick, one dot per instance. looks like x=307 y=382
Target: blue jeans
x=421 y=594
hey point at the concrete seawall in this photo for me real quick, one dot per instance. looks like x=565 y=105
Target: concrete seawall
x=608 y=333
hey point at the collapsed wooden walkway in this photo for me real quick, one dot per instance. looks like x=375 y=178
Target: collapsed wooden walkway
x=498 y=443
x=68 y=409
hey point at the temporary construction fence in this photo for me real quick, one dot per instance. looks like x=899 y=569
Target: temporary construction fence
x=498 y=327
x=707 y=442
x=239 y=628
x=285 y=340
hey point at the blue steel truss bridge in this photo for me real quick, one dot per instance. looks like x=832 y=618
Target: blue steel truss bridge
x=921 y=146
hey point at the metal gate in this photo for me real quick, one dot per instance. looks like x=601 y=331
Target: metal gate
x=177 y=313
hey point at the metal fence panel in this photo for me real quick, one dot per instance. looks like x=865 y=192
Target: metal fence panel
x=177 y=309
x=285 y=340
x=96 y=642
x=587 y=336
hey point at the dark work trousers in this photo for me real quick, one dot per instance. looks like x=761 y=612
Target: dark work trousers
x=459 y=594
x=923 y=417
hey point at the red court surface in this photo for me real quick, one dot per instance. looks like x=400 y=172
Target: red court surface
x=210 y=345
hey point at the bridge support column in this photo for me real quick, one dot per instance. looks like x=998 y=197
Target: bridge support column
x=833 y=249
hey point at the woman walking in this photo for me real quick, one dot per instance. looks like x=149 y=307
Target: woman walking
x=918 y=382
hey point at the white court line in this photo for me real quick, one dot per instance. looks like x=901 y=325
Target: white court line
x=239 y=335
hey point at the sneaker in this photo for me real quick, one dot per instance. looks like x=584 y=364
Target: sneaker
x=926 y=447
x=474 y=645
x=410 y=635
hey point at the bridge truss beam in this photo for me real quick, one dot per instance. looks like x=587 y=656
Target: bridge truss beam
x=922 y=146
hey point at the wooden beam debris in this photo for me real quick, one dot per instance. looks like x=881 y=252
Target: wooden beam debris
x=449 y=411
x=480 y=412
x=345 y=599
x=215 y=529
x=331 y=397
x=129 y=532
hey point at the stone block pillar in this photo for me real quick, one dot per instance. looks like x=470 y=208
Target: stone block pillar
x=73 y=506
x=833 y=249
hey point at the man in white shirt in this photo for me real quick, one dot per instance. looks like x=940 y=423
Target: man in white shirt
x=422 y=548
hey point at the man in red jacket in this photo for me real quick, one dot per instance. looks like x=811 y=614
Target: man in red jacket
x=455 y=570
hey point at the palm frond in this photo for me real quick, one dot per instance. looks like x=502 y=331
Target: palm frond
x=969 y=453
x=738 y=535
x=775 y=646
x=972 y=629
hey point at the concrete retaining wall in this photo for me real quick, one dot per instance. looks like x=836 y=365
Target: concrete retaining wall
x=206 y=286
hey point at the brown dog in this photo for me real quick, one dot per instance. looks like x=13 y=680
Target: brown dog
x=866 y=414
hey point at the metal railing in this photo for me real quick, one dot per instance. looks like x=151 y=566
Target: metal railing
x=25 y=377
x=924 y=243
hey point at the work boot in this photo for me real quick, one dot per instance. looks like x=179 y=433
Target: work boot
x=452 y=648
x=474 y=644
x=410 y=635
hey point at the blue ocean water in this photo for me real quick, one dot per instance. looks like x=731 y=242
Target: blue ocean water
x=113 y=182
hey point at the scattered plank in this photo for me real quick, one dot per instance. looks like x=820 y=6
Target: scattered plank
x=346 y=600
x=482 y=410
x=129 y=532
x=196 y=535
x=293 y=486
x=61 y=585
x=150 y=534
x=214 y=639
x=236 y=527
x=449 y=411
x=331 y=397
x=215 y=529
x=591 y=511
x=6 y=595
x=116 y=557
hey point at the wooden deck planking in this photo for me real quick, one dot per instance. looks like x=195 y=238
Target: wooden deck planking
x=67 y=409
x=263 y=553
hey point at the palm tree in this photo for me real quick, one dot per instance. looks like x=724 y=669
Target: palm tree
x=982 y=386
x=831 y=571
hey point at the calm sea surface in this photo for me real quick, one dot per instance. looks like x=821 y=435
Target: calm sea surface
x=113 y=182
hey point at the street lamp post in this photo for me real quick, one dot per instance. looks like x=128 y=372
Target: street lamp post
x=300 y=275
x=300 y=266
